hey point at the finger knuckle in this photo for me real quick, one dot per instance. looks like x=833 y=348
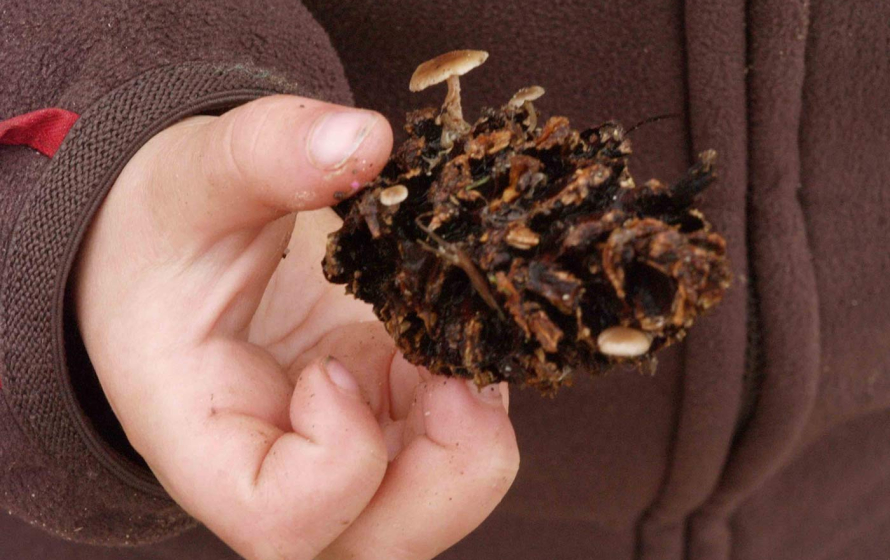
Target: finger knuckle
x=503 y=473
x=244 y=135
x=355 y=463
x=495 y=466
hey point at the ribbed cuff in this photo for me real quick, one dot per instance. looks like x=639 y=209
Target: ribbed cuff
x=89 y=491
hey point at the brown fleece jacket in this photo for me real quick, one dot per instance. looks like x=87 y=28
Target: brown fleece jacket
x=766 y=435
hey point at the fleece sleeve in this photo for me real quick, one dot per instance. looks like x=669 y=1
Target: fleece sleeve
x=126 y=70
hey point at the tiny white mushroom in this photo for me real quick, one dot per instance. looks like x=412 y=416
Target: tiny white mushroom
x=530 y=93
x=524 y=98
x=623 y=342
x=708 y=159
x=393 y=195
x=449 y=66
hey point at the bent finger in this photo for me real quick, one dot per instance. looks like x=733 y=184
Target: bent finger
x=270 y=487
x=459 y=465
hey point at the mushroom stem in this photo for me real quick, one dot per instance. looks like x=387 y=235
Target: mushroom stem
x=532 y=119
x=453 y=123
x=452 y=99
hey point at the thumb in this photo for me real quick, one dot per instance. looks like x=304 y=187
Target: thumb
x=265 y=159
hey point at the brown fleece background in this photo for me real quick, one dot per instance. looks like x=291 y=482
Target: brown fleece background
x=767 y=434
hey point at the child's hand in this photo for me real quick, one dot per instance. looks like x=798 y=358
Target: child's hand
x=212 y=349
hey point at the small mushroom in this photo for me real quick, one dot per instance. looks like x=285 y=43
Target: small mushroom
x=449 y=66
x=623 y=342
x=393 y=195
x=708 y=158
x=523 y=98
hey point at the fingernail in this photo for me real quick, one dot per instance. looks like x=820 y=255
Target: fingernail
x=340 y=376
x=336 y=136
x=490 y=394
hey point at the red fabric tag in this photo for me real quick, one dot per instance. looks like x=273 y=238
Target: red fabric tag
x=42 y=130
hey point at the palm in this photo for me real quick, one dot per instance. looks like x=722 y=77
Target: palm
x=301 y=317
x=299 y=306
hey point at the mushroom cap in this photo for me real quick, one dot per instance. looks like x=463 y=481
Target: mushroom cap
x=439 y=69
x=393 y=195
x=708 y=158
x=525 y=94
x=623 y=342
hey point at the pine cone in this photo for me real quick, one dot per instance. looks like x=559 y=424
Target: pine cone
x=511 y=252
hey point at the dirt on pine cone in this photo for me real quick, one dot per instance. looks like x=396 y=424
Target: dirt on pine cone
x=526 y=253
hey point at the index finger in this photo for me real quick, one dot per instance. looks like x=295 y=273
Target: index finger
x=274 y=472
